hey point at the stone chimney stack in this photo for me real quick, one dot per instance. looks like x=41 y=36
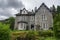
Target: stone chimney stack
x=35 y=9
x=32 y=11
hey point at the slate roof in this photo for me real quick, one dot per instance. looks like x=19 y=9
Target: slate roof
x=31 y=13
x=44 y=6
x=25 y=14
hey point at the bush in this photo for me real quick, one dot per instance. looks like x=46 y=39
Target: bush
x=27 y=35
x=4 y=32
x=30 y=35
x=33 y=35
x=46 y=33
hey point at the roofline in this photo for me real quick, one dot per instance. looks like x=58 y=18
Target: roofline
x=41 y=6
x=25 y=14
x=19 y=14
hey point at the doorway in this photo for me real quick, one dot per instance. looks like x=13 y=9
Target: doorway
x=32 y=26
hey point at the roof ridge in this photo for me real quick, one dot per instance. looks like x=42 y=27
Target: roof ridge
x=41 y=6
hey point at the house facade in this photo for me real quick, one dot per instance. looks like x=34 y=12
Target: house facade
x=41 y=19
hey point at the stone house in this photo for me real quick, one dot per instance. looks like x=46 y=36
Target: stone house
x=41 y=19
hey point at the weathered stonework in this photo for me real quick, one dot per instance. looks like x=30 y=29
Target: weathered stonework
x=40 y=19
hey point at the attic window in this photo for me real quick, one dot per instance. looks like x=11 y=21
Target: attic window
x=24 y=11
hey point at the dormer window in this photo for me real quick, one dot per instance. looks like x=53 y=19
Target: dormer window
x=24 y=11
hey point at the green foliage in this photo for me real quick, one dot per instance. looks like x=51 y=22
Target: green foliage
x=11 y=21
x=57 y=23
x=34 y=35
x=4 y=32
x=53 y=11
x=46 y=33
x=58 y=9
x=50 y=38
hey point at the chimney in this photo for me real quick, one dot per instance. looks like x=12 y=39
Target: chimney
x=35 y=9
x=32 y=11
x=20 y=10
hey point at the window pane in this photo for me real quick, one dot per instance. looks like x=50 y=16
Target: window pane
x=44 y=17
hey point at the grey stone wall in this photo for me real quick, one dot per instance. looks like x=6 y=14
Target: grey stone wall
x=31 y=21
x=38 y=18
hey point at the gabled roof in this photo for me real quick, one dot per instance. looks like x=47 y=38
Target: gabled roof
x=31 y=13
x=44 y=6
x=25 y=9
x=22 y=10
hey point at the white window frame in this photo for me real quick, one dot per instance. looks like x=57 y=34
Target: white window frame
x=44 y=25
x=44 y=17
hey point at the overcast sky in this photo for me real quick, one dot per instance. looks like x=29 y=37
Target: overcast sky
x=9 y=8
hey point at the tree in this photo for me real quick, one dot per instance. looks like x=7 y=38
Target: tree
x=4 y=32
x=57 y=24
x=53 y=11
x=58 y=9
x=11 y=21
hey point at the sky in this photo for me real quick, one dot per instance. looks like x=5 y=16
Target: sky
x=9 y=8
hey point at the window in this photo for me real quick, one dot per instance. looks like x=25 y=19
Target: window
x=24 y=11
x=23 y=18
x=44 y=25
x=20 y=26
x=44 y=17
x=32 y=18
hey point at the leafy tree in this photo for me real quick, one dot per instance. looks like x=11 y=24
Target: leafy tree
x=57 y=23
x=11 y=21
x=4 y=32
x=53 y=11
x=58 y=9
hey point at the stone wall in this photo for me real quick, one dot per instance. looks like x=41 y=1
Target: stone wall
x=38 y=18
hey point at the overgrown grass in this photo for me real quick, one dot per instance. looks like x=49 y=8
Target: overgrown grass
x=34 y=35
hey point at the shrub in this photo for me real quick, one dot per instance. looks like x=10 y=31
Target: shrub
x=46 y=33
x=30 y=35
x=33 y=35
x=4 y=32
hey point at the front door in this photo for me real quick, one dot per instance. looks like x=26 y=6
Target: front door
x=32 y=27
